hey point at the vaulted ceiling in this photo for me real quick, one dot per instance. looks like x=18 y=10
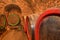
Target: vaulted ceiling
x=30 y=6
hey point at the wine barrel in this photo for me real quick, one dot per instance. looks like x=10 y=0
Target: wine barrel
x=13 y=19
x=50 y=28
x=41 y=31
x=2 y=23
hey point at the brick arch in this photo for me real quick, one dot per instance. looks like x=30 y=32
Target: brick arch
x=24 y=6
x=54 y=11
x=10 y=7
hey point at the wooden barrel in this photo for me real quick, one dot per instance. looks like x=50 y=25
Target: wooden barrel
x=41 y=32
x=2 y=20
x=50 y=28
x=2 y=23
x=13 y=19
x=14 y=34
